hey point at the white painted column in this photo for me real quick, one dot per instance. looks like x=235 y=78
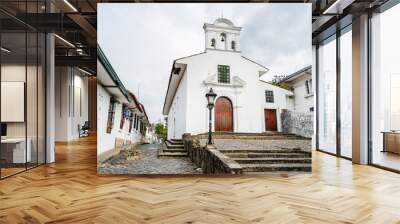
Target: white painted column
x=360 y=90
x=314 y=90
x=50 y=98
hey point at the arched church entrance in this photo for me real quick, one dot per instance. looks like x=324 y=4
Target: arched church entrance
x=223 y=115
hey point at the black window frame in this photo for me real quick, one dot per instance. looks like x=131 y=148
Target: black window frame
x=111 y=115
x=308 y=89
x=224 y=75
x=269 y=96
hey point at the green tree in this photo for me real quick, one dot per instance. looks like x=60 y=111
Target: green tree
x=276 y=81
x=161 y=131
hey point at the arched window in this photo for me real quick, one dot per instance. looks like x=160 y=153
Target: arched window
x=233 y=45
x=212 y=42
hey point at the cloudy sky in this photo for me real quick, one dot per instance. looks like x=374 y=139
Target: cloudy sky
x=142 y=40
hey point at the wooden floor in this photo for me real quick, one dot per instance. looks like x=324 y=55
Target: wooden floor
x=5 y=172
x=387 y=159
x=70 y=191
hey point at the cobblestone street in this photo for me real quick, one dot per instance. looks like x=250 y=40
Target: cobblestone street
x=147 y=163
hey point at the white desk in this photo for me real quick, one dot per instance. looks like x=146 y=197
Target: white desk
x=19 y=155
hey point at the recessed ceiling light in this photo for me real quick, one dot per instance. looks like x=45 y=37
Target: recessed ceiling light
x=84 y=71
x=64 y=40
x=5 y=50
x=70 y=5
x=338 y=6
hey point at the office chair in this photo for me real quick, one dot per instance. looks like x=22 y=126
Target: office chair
x=84 y=130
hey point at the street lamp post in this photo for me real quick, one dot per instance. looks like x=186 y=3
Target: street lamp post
x=210 y=104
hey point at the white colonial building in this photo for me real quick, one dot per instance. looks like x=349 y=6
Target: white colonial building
x=244 y=103
x=300 y=83
x=121 y=118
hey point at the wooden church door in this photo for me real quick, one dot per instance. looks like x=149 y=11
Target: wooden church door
x=223 y=115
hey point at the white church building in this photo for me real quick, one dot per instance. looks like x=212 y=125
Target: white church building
x=244 y=102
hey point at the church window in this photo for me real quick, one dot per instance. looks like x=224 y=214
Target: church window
x=130 y=121
x=223 y=37
x=223 y=74
x=233 y=45
x=269 y=96
x=124 y=113
x=212 y=42
x=135 y=121
x=111 y=113
x=308 y=86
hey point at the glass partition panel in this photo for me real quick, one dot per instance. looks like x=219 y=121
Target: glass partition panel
x=385 y=89
x=31 y=98
x=327 y=96
x=14 y=153
x=346 y=93
x=23 y=90
x=41 y=98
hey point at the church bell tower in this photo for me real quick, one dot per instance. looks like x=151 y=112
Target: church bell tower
x=222 y=35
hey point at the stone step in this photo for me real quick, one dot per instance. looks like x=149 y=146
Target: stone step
x=276 y=173
x=265 y=155
x=274 y=137
x=272 y=160
x=276 y=167
x=174 y=150
x=173 y=154
x=264 y=151
x=252 y=136
x=174 y=146
x=269 y=133
x=173 y=142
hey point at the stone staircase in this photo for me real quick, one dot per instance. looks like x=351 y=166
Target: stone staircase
x=173 y=148
x=250 y=136
x=270 y=160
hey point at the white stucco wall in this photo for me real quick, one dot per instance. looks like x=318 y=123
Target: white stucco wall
x=106 y=141
x=281 y=102
x=248 y=101
x=302 y=101
x=177 y=115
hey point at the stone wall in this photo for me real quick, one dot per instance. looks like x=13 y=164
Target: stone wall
x=209 y=158
x=297 y=123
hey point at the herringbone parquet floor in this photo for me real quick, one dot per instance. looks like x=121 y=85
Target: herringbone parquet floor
x=70 y=191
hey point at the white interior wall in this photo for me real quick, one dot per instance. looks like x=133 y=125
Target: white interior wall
x=71 y=102
x=62 y=81
x=12 y=73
